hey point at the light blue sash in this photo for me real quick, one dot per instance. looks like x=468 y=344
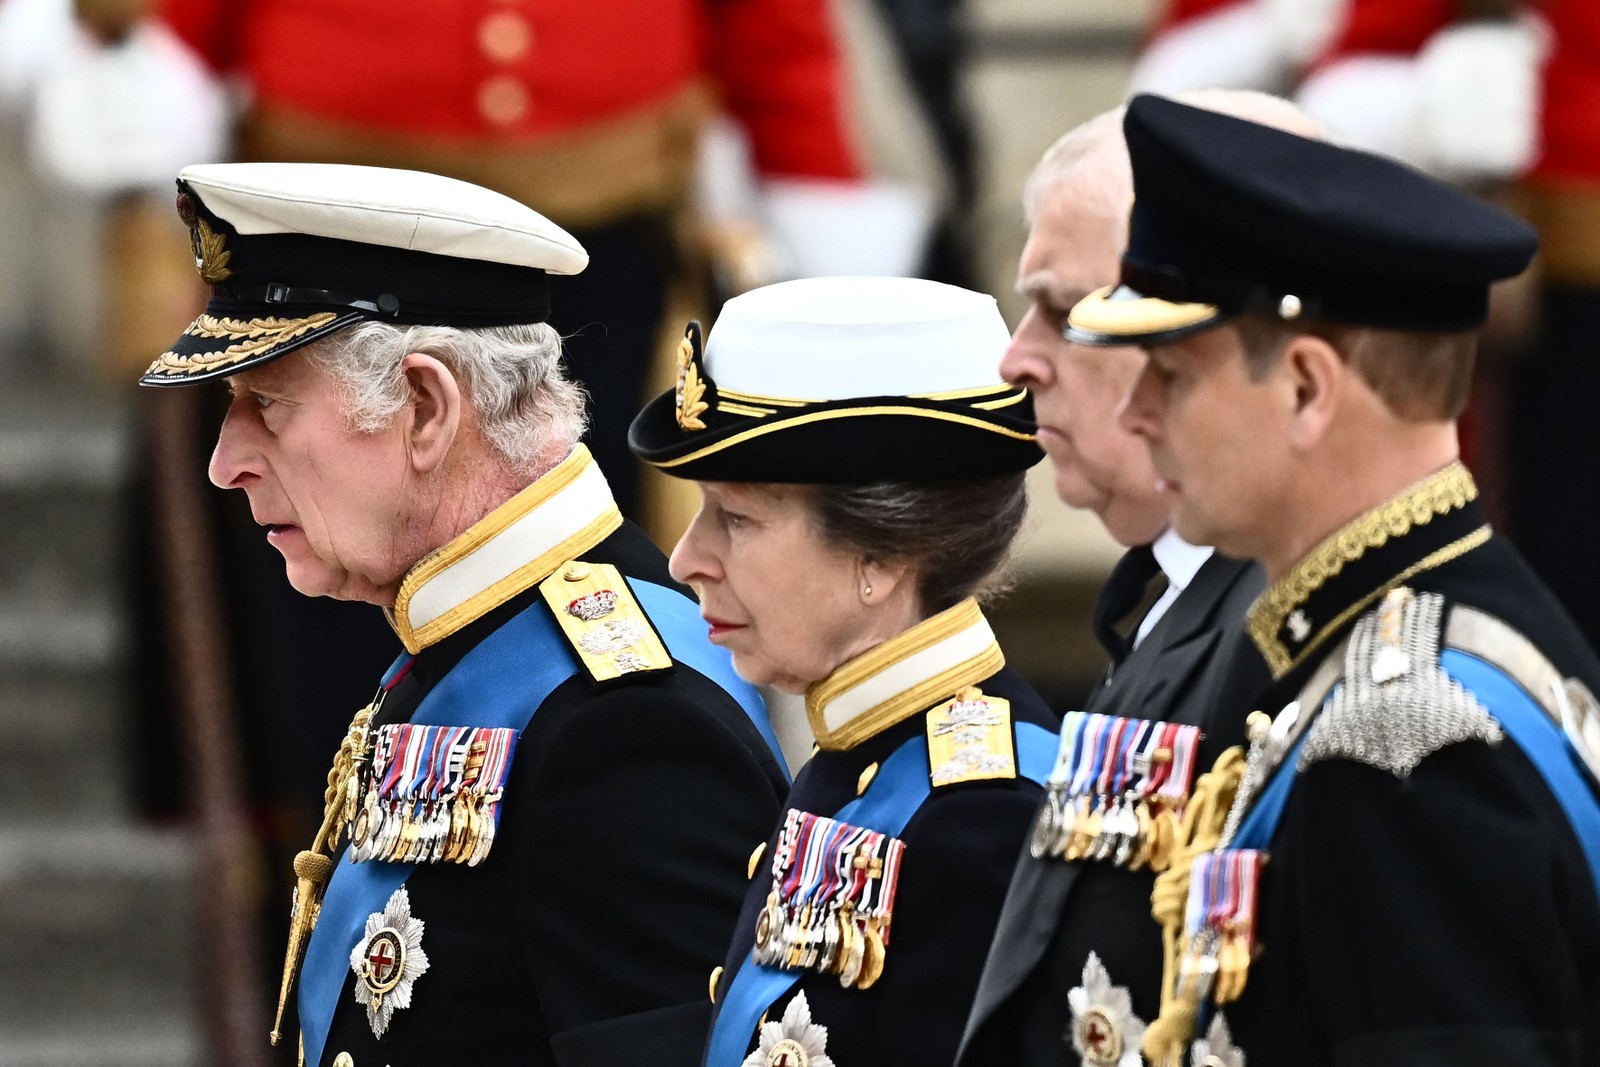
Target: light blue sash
x=899 y=789
x=1527 y=724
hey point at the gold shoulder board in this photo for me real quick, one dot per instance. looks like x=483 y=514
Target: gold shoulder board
x=969 y=739
x=609 y=631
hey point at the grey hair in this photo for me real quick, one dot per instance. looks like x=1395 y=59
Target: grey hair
x=1094 y=142
x=1097 y=143
x=956 y=535
x=525 y=405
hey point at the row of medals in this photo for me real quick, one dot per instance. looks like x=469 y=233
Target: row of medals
x=453 y=829
x=1131 y=832
x=831 y=939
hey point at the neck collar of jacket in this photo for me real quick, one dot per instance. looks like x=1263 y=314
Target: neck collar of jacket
x=1434 y=521
x=906 y=674
x=516 y=546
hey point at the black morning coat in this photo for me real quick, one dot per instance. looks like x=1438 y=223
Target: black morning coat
x=1057 y=912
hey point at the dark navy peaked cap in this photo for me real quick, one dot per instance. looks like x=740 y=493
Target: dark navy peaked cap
x=1232 y=217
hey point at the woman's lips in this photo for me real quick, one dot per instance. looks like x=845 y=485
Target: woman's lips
x=721 y=626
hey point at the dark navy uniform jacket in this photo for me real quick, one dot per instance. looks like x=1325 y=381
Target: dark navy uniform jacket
x=960 y=843
x=1445 y=915
x=618 y=868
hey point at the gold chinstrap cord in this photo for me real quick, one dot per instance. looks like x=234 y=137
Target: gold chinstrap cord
x=313 y=867
x=1200 y=831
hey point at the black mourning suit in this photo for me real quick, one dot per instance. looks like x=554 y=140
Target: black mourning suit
x=1056 y=912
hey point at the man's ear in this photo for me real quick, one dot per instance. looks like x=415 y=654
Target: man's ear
x=434 y=415
x=1316 y=374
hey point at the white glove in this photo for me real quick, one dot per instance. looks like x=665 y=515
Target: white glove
x=823 y=228
x=1478 y=98
x=32 y=33
x=1465 y=108
x=111 y=118
x=1236 y=47
x=1369 y=101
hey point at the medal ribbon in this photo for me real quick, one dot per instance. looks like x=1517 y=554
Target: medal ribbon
x=896 y=793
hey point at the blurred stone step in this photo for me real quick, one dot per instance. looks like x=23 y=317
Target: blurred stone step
x=54 y=439
x=145 y=1042
x=66 y=755
x=97 y=924
x=84 y=634
x=60 y=544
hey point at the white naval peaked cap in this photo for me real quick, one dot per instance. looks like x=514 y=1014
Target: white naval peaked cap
x=296 y=251
x=408 y=209
x=832 y=338
x=843 y=381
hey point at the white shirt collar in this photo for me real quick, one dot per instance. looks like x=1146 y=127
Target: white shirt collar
x=1179 y=560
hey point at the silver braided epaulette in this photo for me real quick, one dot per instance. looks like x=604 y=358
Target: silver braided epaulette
x=1395 y=705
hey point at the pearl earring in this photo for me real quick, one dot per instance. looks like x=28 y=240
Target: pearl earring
x=866 y=590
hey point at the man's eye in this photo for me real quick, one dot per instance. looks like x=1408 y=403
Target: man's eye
x=262 y=401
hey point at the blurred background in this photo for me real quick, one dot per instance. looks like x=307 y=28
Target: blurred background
x=168 y=706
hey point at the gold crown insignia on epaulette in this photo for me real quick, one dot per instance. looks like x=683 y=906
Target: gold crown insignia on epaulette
x=609 y=631
x=969 y=739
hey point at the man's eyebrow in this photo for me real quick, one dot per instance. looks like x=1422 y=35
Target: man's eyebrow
x=1044 y=284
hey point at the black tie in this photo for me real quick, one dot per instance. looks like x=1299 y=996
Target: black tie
x=1125 y=590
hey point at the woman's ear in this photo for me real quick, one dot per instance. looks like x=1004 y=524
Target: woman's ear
x=434 y=416
x=1316 y=373
x=880 y=580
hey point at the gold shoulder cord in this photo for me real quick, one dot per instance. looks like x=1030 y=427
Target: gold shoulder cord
x=314 y=866
x=1200 y=832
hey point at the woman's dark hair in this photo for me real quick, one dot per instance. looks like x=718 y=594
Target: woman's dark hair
x=956 y=535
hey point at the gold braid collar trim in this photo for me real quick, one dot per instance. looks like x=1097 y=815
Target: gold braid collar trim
x=1438 y=494
x=250 y=337
x=597 y=519
x=926 y=683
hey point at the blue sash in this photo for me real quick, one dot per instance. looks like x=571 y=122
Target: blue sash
x=1527 y=724
x=500 y=683
x=899 y=789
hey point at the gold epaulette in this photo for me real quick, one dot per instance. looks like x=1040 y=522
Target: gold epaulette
x=610 y=633
x=969 y=739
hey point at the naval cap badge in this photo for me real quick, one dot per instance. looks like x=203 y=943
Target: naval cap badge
x=1105 y=1031
x=388 y=961
x=796 y=1041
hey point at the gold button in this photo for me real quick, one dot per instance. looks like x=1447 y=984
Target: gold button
x=716 y=973
x=576 y=572
x=505 y=36
x=866 y=778
x=343 y=1060
x=503 y=100
x=755 y=858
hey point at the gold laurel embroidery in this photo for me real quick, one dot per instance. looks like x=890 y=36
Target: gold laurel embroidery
x=691 y=390
x=251 y=337
x=214 y=254
x=1439 y=494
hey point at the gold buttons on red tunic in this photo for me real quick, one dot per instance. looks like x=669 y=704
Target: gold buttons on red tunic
x=503 y=100
x=505 y=36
